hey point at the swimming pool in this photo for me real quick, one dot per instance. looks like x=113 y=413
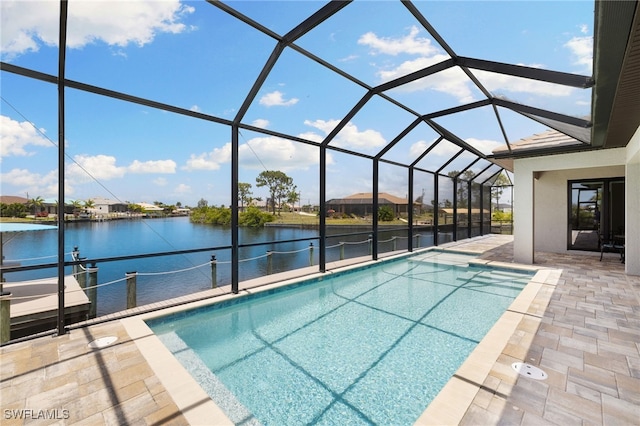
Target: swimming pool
x=373 y=345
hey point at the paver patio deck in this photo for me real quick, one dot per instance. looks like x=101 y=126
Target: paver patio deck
x=584 y=332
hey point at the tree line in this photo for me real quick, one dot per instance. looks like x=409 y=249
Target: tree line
x=36 y=207
x=281 y=190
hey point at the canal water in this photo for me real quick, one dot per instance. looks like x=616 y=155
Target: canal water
x=165 y=277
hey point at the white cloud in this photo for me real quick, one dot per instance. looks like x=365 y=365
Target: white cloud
x=195 y=108
x=209 y=160
x=157 y=166
x=160 y=181
x=18 y=136
x=34 y=183
x=100 y=167
x=103 y=167
x=277 y=154
x=393 y=182
x=447 y=149
x=182 y=189
x=582 y=51
x=269 y=151
x=411 y=44
x=410 y=66
x=486 y=146
x=451 y=81
x=311 y=136
x=349 y=136
x=444 y=148
x=26 y=25
x=417 y=148
x=325 y=126
x=500 y=83
x=20 y=177
x=348 y=58
x=276 y=98
x=261 y=123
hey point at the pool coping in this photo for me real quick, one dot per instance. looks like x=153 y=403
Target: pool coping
x=449 y=406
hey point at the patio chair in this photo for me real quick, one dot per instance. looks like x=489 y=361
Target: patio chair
x=615 y=245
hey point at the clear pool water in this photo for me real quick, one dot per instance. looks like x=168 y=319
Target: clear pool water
x=372 y=346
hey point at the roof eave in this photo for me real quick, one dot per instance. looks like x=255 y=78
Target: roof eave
x=616 y=103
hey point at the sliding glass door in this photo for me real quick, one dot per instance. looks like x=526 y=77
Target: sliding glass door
x=596 y=212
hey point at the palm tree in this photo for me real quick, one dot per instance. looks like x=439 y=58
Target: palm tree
x=77 y=205
x=244 y=194
x=293 y=197
x=88 y=205
x=36 y=203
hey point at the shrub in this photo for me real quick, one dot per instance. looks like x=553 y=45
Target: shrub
x=254 y=217
x=385 y=214
x=13 y=210
x=499 y=215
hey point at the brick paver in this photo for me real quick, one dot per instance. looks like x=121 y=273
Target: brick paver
x=61 y=380
x=587 y=341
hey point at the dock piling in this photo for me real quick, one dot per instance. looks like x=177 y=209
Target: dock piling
x=81 y=274
x=131 y=289
x=214 y=271
x=5 y=317
x=92 y=271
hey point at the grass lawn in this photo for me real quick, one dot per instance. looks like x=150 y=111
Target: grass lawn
x=28 y=219
x=296 y=218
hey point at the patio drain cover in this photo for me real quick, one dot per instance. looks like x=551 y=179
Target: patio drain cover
x=102 y=342
x=529 y=370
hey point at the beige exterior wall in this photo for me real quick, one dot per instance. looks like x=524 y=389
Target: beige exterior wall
x=552 y=204
x=541 y=198
x=632 y=201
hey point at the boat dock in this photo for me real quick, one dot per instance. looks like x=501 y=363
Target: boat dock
x=34 y=304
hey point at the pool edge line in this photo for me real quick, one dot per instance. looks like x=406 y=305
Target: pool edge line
x=192 y=401
x=197 y=403
x=456 y=397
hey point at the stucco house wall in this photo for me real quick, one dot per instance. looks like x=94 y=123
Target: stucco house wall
x=632 y=200
x=541 y=198
x=552 y=204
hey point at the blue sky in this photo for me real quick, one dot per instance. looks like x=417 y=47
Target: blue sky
x=197 y=57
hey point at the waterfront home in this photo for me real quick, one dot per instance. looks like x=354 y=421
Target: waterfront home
x=361 y=204
x=105 y=206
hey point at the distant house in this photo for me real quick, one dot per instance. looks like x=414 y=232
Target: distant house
x=49 y=206
x=12 y=199
x=46 y=207
x=504 y=207
x=105 y=206
x=445 y=216
x=361 y=204
x=181 y=212
x=150 y=208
